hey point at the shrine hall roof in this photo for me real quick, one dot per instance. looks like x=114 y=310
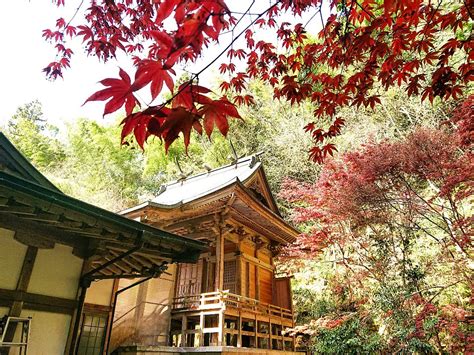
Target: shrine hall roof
x=252 y=203
x=189 y=189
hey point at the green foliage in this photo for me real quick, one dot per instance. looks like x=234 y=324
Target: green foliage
x=350 y=338
x=98 y=169
x=34 y=137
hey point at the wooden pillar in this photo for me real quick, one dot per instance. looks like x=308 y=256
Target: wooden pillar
x=184 y=326
x=239 y=329
x=201 y=328
x=257 y=283
x=220 y=334
x=238 y=276
x=219 y=277
x=204 y=275
x=270 y=345
x=22 y=285
x=256 y=332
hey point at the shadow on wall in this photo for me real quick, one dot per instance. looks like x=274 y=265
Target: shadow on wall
x=145 y=324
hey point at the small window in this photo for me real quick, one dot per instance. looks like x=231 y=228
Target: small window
x=230 y=270
x=93 y=334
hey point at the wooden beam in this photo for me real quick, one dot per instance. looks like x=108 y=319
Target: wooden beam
x=47 y=232
x=45 y=217
x=190 y=222
x=128 y=262
x=255 y=261
x=33 y=240
x=35 y=301
x=27 y=268
x=28 y=210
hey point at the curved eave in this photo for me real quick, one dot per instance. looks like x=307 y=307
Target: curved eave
x=285 y=234
x=198 y=197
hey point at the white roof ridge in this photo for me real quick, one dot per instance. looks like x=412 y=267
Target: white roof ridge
x=192 y=188
x=207 y=173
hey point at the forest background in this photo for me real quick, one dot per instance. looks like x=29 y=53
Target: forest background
x=397 y=281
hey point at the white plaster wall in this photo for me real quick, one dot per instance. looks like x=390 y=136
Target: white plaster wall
x=48 y=333
x=100 y=292
x=56 y=272
x=127 y=299
x=12 y=254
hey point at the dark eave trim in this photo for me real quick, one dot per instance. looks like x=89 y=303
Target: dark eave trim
x=67 y=202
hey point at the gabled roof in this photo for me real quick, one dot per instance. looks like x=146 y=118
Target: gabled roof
x=180 y=192
x=15 y=163
x=240 y=188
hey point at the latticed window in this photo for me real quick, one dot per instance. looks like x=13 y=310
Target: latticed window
x=230 y=271
x=93 y=334
x=189 y=280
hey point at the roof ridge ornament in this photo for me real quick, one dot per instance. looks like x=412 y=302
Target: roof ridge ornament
x=182 y=175
x=235 y=157
x=161 y=189
x=253 y=161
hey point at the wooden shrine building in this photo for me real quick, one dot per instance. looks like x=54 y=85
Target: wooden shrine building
x=230 y=298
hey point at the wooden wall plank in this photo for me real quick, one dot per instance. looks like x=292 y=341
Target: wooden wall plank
x=282 y=293
x=265 y=283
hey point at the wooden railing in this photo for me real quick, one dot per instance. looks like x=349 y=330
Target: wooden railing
x=225 y=299
x=249 y=329
x=202 y=301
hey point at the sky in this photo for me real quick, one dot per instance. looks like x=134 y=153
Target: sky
x=25 y=53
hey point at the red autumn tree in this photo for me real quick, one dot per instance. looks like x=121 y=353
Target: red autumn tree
x=397 y=219
x=363 y=46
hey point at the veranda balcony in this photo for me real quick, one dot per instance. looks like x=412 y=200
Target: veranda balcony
x=227 y=319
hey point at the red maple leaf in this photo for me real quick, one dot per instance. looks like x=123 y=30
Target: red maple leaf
x=216 y=113
x=188 y=94
x=179 y=120
x=119 y=91
x=153 y=71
